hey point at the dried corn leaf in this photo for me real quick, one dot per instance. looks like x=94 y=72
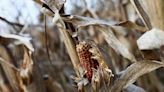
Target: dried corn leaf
x=142 y=14
x=81 y=21
x=154 y=10
x=55 y=6
x=96 y=54
x=116 y=44
x=103 y=70
x=3 y=86
x=21 y=39
x=25 y=73
x=134 y=71
x=9 y=71
x=152 y=39
x=26 y=67
x=96 y=80
x=70 y=49
x=131 y=25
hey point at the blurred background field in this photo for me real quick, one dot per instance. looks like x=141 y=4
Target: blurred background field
x=34 y=56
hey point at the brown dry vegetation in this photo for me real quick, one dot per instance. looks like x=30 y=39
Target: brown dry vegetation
x=113 y=46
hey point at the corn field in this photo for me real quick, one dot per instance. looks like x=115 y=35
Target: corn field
x=83 y=46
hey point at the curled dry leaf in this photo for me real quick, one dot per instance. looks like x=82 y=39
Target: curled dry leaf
x=26 y=67
x=116 y=44
x=131 y=25
x=142 y=14
x=10 y=73
x=102 y=75
x=81 y=21
x=96 y=54
x=25 y=73
x=152 y=39
x=3 y=86
x=134 y=71
x=21 y=39
x=96 y=78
